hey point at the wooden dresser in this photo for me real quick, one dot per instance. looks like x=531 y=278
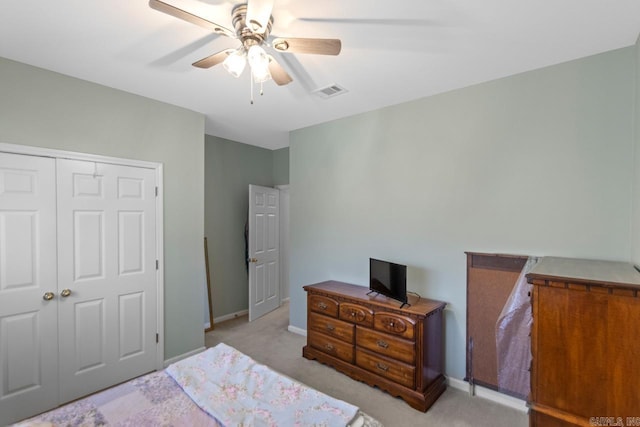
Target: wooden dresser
x=585 y=343
x=371 y=339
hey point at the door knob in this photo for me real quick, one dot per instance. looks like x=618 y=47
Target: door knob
x=253 y=259
x=65 y=293
x=48 y=296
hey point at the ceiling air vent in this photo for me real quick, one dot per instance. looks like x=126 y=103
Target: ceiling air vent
x=330 y=91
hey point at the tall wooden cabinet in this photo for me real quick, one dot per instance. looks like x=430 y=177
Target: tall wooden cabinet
x=585 y=343
x=371 y=339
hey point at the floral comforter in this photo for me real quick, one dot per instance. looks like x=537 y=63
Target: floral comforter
x=237 y=390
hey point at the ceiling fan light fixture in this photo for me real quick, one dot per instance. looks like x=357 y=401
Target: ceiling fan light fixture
x=235 y=63
x=260 y=75
x=259 y=62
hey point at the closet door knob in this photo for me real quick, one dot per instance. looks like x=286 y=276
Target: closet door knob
x=48 y=296
x=65 y=293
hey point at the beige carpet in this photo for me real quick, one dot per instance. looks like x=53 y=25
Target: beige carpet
x=268 y=341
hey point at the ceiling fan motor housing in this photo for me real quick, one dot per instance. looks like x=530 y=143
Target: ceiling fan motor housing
x=252 y=33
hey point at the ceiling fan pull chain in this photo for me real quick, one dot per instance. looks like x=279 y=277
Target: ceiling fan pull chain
x=261 y=91
x=251 y=86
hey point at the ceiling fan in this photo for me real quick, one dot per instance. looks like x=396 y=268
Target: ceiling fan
x=252 y=23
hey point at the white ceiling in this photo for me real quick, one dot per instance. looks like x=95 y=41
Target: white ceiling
x=392 y=51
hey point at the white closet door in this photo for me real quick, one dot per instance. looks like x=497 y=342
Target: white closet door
x=107 y=261
x=28 y=323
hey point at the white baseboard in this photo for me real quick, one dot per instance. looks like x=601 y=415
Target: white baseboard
x=230 y=316
x=492 y=395
x=482 y=392
x=296 y=330
x=183 y=356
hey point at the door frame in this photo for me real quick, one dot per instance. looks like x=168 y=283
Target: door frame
x=284 y=243
x=158 y=168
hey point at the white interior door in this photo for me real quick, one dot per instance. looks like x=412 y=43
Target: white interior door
x=107 y=262
x=264 y=277
x=28 y=322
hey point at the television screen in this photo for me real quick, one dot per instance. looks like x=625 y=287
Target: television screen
x=388 y=278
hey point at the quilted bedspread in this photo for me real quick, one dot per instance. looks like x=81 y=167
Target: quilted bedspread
x=156 y=399
x=151 y=400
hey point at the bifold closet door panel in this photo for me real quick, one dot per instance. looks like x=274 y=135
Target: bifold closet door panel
x=107 y=269
x=28 y=294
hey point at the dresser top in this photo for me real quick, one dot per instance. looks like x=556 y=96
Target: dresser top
x=603 y=273
x=419 y=305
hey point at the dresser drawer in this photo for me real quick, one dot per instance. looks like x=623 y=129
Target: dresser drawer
x=332 y=327
x=324 y=305
x=393 y=370
x=331 y=346
x=395 y=324
x=385 y=344
x=357 y=314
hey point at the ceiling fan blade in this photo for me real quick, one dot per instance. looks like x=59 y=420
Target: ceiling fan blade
x=302 y=76
x=303 y=45
x=258 y=14
x=278 y=74
x=214 y=59
x=189 y=17
x=375 y=21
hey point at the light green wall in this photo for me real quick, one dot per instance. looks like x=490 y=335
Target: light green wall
x=635 y=227
x=538 y=163
x=281 y=166
x=46 y=109
x=230 y=168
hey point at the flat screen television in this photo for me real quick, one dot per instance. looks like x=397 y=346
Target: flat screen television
x=389 y=279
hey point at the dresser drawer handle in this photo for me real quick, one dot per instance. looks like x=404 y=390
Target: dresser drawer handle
x=382 y=344
x=329 y=347
x=322 y=306
x=382 y=367
x=357 y=316
x=330 y=327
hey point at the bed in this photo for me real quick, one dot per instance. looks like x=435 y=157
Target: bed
x=218 y=387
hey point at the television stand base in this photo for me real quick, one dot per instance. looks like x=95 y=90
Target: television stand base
x=378 y=293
